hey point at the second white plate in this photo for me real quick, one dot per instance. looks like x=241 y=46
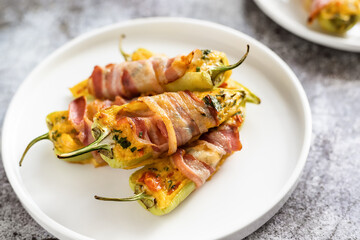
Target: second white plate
x=249 y=188
x=291 y=15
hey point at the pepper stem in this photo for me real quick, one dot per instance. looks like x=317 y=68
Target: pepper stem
x=126 y=56
x=39 y=138
x=96 y=145
x=136 y=197
x=214 y=72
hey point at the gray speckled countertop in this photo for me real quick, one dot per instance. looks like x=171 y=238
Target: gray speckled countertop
x=325 y=204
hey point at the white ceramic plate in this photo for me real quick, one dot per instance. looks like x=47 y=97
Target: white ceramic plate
x=250 y=187
x=291 y=15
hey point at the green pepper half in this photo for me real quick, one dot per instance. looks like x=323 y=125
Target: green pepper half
x=59 y=129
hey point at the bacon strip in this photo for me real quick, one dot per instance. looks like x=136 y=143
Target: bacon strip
x=171 y=135
x=77 y=111
x=192 y=168
x=152 y=131
x=176 y=67
x=80 y=114
x=95 y=87
x=182 y=115
x=200 y=160
x=130 y=79
x=227 y=138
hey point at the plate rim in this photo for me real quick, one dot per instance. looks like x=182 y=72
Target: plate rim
x=323 y=39
x=273 y=206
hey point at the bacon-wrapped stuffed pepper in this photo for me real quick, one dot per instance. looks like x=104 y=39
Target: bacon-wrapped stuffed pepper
x=71 y=130
x=201 y=70
x=62 y=134
x=136 y=133
x=336 y=16
x=160 y=187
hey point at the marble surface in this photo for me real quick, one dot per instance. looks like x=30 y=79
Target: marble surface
x=326 y=202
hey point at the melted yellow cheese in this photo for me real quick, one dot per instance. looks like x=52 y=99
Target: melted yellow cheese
x=130 y=148
x=204 y=59
x=62 y=133
x=229 y=101
x=141 y=54
x=80 y=89
x=64 y=136
x=171 y=181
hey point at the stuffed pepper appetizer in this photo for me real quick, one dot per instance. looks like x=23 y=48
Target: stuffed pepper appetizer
x=335 y=16
x=71 y=130
x=160 y=187
x=201 y=70
x=136 y=133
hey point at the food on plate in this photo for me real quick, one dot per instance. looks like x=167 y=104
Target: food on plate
x=136 y=133
x=335 y=16
x=71 y=133
x=178 y=118
x=201 y=70
x=160 y=187
x=71 y=130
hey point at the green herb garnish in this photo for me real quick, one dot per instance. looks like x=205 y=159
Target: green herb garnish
x=55 y=135
x=222 y=95
x=170 y=184
x=124 y=143
x=206 y=51
x=212 y=101
x=205 y=54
